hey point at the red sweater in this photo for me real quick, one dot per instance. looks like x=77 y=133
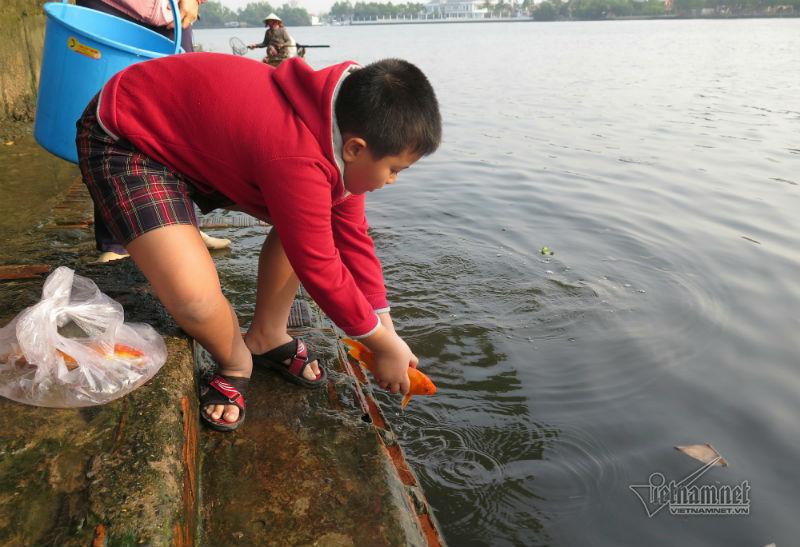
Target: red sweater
x=263 y=137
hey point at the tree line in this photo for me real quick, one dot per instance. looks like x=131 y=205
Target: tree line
x=215 y=15
x=557 y=10
x=345 y=11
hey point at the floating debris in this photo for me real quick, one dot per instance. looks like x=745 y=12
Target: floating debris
x=9 y=143
x=751 y=239
x=546 y=251
x=703 y=452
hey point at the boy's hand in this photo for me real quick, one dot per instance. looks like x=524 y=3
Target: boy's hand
x=392 y=359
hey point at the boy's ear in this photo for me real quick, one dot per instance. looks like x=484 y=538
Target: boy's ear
x=352 y=147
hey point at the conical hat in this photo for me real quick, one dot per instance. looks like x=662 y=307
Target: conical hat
x=272 y=17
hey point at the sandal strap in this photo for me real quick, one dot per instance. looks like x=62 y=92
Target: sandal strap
x=230 y=387
x=296 y=351
x=299 y=359
x=282 y=352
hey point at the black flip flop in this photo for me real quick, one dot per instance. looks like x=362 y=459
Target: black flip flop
x=297 y=351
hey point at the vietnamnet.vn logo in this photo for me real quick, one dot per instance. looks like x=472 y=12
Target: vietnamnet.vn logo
x=686 y=498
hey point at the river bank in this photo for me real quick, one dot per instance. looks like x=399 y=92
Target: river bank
x=467 y=20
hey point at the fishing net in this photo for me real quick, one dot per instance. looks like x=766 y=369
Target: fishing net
x=238 y=47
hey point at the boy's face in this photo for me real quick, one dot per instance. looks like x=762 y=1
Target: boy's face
x=363 y=173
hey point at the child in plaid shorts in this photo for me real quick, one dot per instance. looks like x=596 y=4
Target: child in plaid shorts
x=294 y=146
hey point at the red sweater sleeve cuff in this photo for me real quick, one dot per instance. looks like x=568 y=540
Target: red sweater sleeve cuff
x=370 y=330
x=377 y=301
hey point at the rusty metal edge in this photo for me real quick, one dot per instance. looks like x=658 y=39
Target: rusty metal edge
x=425 y=518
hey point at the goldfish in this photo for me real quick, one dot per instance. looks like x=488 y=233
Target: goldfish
x=121 y=351
x=420 y=383
x=127 y=352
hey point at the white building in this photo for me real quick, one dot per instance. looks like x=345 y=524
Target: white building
x=456 y=9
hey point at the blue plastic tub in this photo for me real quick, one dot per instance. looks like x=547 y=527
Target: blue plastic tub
x=83 y=49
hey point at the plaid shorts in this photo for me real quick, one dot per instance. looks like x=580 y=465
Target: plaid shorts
x=134 y=193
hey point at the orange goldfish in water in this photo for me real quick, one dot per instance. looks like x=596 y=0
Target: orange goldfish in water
x=121 y=351
x=420 y=383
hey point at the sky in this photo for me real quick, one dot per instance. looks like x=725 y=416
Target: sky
x=314 y=7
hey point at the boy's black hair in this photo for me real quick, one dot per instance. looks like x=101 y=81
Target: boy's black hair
x=391 y=105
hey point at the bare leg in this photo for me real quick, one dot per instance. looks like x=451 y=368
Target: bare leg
x=277 y=286
x=175 y=261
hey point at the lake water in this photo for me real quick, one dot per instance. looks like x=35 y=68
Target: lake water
x=660 y=161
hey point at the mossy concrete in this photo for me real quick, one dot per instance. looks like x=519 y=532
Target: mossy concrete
x=116 y=471
x=22 y=24
x=119 y=466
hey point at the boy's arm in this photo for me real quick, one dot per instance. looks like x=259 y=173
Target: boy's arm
x=297 y=193
x=350 y=234
x=357 y=250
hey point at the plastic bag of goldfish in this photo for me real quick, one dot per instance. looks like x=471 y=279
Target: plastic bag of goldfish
x=73 y=348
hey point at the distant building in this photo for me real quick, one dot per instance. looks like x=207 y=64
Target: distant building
x=456 y=9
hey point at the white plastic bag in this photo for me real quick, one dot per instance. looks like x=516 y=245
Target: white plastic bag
x=74 y=349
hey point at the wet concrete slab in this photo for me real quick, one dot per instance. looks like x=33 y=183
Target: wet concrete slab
x=309 y=467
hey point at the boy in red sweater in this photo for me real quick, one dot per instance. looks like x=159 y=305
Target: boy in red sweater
x=296 y=147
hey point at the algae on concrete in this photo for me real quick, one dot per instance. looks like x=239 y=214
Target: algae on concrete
x=22 y=24
x=121 y=465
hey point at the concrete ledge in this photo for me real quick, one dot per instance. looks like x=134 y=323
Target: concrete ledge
x=115 y=472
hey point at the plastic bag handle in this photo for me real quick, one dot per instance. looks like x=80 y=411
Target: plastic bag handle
x=178 y=34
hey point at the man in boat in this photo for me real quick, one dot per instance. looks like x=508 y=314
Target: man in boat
x=280 y=46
